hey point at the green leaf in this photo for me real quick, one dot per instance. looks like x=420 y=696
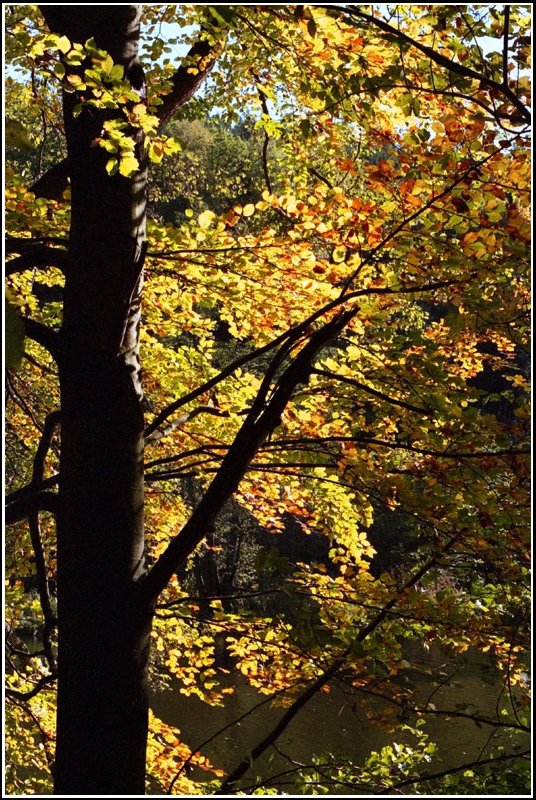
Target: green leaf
x=224 y=14
x=92 y=49
x=117 y=72
x=305 y=127
x=17 y=135
x=357 y=649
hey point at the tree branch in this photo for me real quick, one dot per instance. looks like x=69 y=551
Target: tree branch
x=200 y=747
x=23 y=507
x=438 y=58
x=210 y=384
x=53 y=183
x=369 y=256
x=188 y=78
x=185 y=82
x=36 y=255
x=217 y=412
x=369 y=390
x=15 y=694
x=505 y=45
x=21 y=244
x=257 y=427
x=43 y=335
x=292 y=335
x=22 y=494
x=205 y=450
x=266 y=112
x=229 y=785
x=51 y=422
x=455 y=454
x=453 y=770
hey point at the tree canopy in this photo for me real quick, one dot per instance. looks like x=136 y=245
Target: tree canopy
x=334 y=365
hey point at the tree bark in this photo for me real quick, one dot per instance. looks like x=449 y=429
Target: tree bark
x=103 y=634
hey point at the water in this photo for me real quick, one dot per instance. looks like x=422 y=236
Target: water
x=337 y=722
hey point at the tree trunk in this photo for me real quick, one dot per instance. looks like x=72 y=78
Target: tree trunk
x=103 y=635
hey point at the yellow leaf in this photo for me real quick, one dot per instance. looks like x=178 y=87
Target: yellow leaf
x=64 y=44
x=128 y=165
x=111 y=166
x=339 y=254
x=156 y=152
x=248 y=210
x=206 y=218
x=75 y=80
x=107 y=64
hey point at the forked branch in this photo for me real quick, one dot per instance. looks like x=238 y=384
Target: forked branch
x=256 y=428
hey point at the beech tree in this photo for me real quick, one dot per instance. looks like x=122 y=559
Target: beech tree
x=353 y=338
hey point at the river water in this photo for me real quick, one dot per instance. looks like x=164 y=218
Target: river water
x=337 y=722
